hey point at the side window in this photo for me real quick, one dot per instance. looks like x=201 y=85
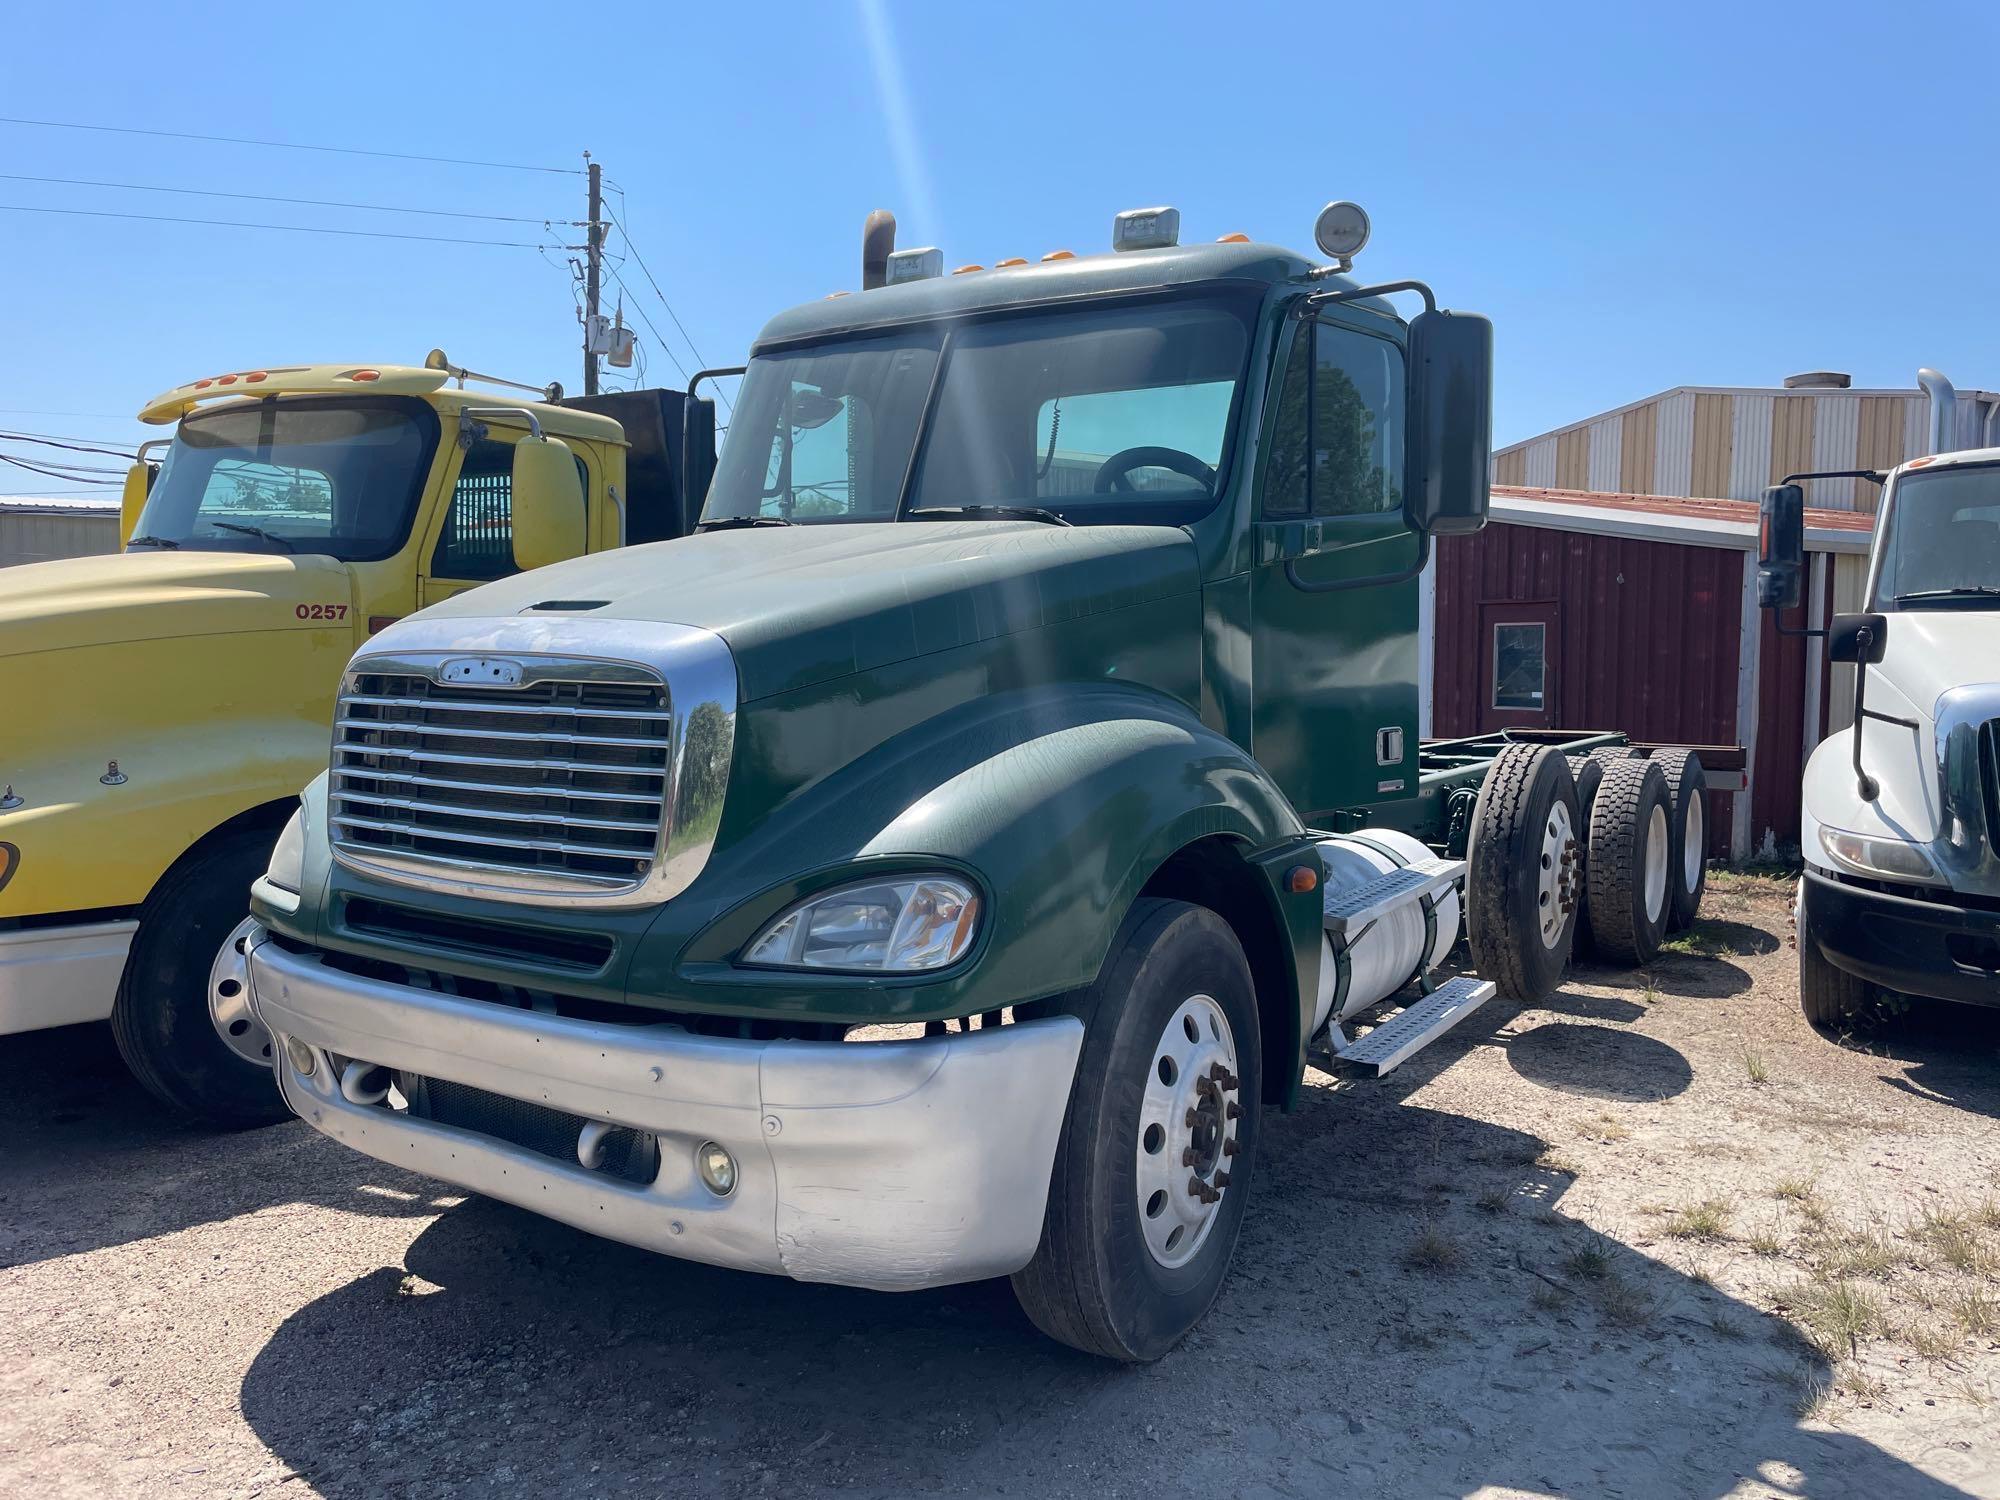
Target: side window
x=1357 y=423
x=1285 y=476
x=478 y=537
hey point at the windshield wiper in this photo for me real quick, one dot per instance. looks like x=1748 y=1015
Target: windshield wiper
x=1004 y=512
x=737 y=523
x=154 y=541
x=1962 y=591
x=269 y=536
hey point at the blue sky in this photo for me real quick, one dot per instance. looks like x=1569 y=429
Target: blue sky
x=1687 y=195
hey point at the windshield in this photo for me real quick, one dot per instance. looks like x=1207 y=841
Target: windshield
x=1943 y=546
x=1117 y=413
x=338 y=477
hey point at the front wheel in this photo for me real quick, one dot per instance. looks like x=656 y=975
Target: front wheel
x=1834 y=1001
x=181 y=1020
x=1153 y=1168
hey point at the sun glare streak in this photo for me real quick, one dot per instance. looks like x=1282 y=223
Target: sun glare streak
x=901 y=120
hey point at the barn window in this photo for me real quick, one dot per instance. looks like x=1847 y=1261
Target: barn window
x=1520 y=666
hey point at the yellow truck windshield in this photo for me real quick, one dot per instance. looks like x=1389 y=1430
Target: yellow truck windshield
x=339 y=477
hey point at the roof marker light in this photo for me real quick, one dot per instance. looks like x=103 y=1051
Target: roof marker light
x=225 y=380
x=914 y=265
x=1012 y=260
x=254 y=376
x=968 y=267
x=202 y=385
x=1232 y=239
x=1059 y=255
x=1146 y=229
x=364 y=375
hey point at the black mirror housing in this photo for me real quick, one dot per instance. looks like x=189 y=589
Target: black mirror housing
x=1781 y=546
x=697 y=455
x=1858 y=638
x=1451 y=423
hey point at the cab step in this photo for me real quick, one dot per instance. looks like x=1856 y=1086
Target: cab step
x=1357 y=906
x=1393 y=1042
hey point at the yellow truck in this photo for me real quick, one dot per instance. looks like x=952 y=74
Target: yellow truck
x=161 y=707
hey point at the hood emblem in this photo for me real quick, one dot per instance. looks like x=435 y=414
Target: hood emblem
x=486 y=671
x=112 y=775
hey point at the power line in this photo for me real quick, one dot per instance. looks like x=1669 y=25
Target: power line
x=72 y=447
x=665 y=347
x=233 y=140
x=367 y=234
x=21 y=463
x=640 y=261
x=58 y=463
x=380 y=208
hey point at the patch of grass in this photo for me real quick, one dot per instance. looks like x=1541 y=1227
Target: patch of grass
x=1754 y=1065
x=1930 y=1340
x=1707 y=1220
x=1765 y=1242
x=1725 y=1327
x=1590 y=1262
x=1553 y=1160
x=1492 y=1201
x=1605 y=1127
x=1972 y=1393
x=1985 y=1213
x=1547 y=1299
x=1977 y=1313
x=1865 y=1252
x=1433 y=1251
x=1953 y=1239
x=1835 y=1314
x=1795 y=1189
x=1624 y=1306
x=1816 y=1396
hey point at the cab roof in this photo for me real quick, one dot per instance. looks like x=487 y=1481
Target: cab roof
x=970 y=293
x=368 y=380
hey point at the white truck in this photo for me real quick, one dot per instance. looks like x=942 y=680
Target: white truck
x=1901 y=825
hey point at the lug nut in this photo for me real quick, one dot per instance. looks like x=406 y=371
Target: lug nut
x=1234 y=1112
x=1188 y=1157
x=1221 y=1181
x=1193 y=1118
x=1229 y=1147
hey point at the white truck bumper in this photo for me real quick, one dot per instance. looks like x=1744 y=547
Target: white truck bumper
x=59 y=976
x=893 y=1165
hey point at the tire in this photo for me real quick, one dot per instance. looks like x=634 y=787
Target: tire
x=1097 y=1282
x=1687 y=801
x=161 y=1019
x=1522 y=879
x=1833 y=999
x=1627 y=869
x=1588 y=772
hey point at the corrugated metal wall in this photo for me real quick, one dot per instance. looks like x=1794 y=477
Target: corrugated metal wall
x=1730 y=444
x=1647 y=634
x=36 y=536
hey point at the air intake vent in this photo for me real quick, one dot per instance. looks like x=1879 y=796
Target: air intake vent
x=1819 y=380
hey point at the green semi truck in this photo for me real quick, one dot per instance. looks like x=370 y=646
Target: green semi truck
x=936 y=866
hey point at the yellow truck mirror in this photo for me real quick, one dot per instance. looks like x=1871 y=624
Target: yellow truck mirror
x=548 y=503
x=138 y=480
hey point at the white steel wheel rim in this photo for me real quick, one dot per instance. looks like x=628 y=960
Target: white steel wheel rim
x=1695 y=845
x=1187 y=1131
x=1657 y=855
x=229 y=999
x=1555 y=875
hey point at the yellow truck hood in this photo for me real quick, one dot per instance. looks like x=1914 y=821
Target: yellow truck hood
x=153 y=595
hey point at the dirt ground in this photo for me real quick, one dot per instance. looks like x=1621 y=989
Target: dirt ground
x=1654 y=1238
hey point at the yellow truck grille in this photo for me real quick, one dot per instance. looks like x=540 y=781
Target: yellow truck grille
x=557 y=783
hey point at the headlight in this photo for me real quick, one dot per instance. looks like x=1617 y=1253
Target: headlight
x=1893 y=859
x=288 y=857
x=902 y=925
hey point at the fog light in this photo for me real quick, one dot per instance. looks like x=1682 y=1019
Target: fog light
x=304 y=1060
x=717 y=1168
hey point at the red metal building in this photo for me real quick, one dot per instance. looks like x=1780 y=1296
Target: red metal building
x=1578 y=610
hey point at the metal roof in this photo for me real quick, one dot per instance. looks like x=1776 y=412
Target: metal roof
x=969 y=293
x=1698 y=522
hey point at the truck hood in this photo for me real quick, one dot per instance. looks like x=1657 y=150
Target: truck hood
x=130 y=596
x=1931 y=651
x=804 y=604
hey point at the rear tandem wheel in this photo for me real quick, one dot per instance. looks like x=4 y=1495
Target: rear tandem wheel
x=1524 y=875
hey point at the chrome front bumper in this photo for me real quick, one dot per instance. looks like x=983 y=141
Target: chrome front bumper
x=893 y=1165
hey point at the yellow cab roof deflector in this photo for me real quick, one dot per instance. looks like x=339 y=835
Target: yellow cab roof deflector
x=293 y=380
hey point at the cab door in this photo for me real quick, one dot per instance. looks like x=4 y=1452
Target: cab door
x=472 y=541
x=1334 y=671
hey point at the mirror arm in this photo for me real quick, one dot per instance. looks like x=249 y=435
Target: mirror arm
x=1349 y=294
x=1873 y=476
x=466 y=424
x=1373 y=580
x=700 y=375
x=1864 y=784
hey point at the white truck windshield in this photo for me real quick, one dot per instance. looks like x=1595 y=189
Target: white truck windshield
x=339 y=477
x=1119 y=413
x=1943 y=546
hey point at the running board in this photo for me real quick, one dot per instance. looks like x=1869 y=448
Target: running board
x=1395 y=1041
x=1357 y=906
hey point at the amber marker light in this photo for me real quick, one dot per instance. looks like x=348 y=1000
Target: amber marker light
x=1300 y=879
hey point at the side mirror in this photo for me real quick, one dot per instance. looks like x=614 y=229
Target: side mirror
x=1858 y=638
x=548 y=504
x=1451 y=423
x=1781 y=546
x=697 y=455
x=138 y=484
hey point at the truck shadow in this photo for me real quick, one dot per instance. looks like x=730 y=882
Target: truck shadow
x=1341 y=1355
x=88 y=1159
x=1946 y=1052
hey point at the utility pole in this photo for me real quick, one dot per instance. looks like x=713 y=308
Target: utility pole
x=593 y=275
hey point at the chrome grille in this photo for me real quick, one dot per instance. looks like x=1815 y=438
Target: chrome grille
x=557 y=782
